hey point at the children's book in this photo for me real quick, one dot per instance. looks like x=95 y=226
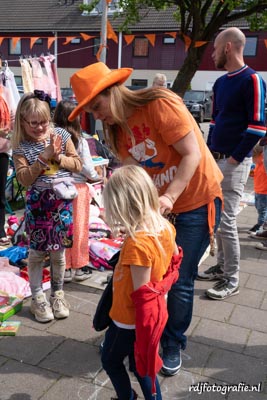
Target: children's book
x=9 y=328
x=9 y=305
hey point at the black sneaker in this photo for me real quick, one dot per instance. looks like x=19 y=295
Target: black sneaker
x=214 y=273
x=172 y=360
x=254 y=229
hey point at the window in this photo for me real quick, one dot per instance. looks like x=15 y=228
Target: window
x=14 y=50
x=76 y=41
x=140 y=47
x=168 y=40
x=139 y=82
x=18 y=80
x=39 y=41
x=251 y=46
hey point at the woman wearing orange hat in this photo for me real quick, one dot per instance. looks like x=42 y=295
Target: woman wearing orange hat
x=152 y=127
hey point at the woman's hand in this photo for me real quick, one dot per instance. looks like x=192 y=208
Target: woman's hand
x=166 y=205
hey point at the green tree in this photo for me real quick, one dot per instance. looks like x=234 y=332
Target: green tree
x=199 y=20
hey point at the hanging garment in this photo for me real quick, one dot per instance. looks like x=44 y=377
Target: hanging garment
x=40 y=80
x=47 y=60
x=10 y=90
x=27 y=78
x=56 y=79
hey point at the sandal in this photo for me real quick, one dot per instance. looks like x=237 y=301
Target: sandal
x=4 y=241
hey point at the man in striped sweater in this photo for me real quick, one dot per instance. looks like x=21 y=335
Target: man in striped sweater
x=238 y=123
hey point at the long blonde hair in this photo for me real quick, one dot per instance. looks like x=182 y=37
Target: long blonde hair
x=28 y=105
x=122 y=100
x=131 y=201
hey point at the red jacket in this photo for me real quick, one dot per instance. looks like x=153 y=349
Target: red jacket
x=151 y=318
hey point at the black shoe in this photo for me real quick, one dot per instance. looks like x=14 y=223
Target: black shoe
x=255 y=228
x=214 y=273
x=172 y=361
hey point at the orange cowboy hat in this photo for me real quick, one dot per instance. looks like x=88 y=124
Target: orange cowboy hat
x=88 y=82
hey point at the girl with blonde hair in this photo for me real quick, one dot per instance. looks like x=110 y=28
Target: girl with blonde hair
x=132 y=205
x=42 y=154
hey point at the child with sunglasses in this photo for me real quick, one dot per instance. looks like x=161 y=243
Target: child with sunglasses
x=42 y=153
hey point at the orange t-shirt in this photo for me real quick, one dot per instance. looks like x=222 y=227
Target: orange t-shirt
x=260 y=176
x=156 y=126
x=143 y=251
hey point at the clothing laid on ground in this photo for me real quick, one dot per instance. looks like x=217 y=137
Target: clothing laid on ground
x=78 y=255
x=156 y=126
x=236 y=127
x=142 y=251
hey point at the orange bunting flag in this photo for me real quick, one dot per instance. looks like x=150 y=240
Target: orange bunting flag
x=173 y=34
x=108 y=1
x=151 y=38
x=1 y=39
x=110 y=32
x=69 y=39
x=187 y=41
x=32 y=41
x=86 y=37
x=265 y=42
x=15 y=40
x=50 y=41
x=199 y=44
x=128 y=38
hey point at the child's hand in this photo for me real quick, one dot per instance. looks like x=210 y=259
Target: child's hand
x=54 y=148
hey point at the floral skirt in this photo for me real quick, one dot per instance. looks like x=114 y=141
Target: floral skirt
x=48 y=220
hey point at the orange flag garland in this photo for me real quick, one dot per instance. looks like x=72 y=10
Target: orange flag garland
x=151 y=38
x=110 y=32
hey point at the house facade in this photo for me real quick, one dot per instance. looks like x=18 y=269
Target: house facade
x=32 y=28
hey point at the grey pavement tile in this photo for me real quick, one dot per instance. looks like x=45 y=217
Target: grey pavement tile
x=75 y=359
x=29 y=347
x=247 y=297
x=257 y=282
x=20 y=381
x=77 y=326
x=195 y=356
x=212 y=309
x=257 y=345
x=73 y=388
x=255 y=268
x=221 y=335
x=192 y=326
x=249 y=318
x=234 y=368
x=264 y=303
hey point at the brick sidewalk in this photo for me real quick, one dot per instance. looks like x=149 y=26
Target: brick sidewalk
x=226 y=342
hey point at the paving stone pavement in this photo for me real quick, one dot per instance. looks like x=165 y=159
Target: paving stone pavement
x=227 y=343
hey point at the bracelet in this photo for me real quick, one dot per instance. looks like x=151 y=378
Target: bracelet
x=168 y=196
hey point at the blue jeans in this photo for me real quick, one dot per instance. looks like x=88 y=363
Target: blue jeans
x=261 y=206
x=119 y=344
x=192 y=234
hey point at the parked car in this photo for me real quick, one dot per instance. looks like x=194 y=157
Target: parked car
x=199 y=103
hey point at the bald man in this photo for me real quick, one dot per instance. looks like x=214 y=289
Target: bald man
x=238 y=123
